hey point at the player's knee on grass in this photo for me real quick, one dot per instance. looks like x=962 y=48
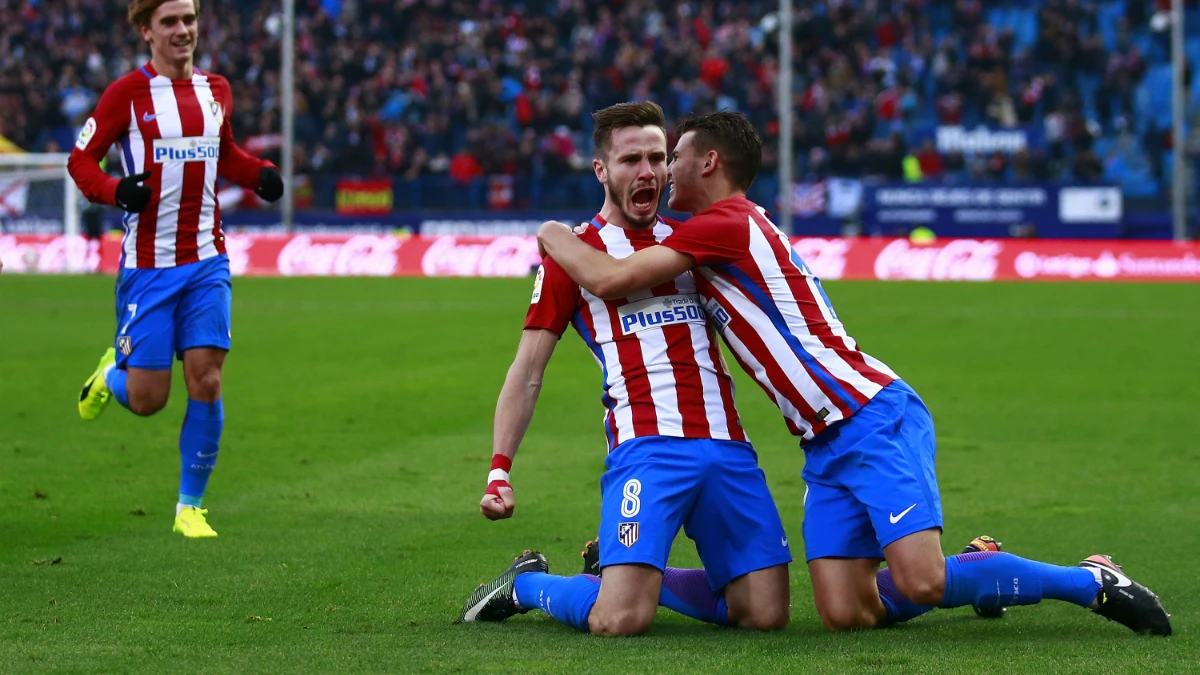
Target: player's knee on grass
x=620 y=621
x=627 y=602
x=918 y=567
x=760 y=600
x=846 y=594
x=148 y=390
x=847 y=617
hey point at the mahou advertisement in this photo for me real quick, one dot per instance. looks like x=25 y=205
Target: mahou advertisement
x=517 y=256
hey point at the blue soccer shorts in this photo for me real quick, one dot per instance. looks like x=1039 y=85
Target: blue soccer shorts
x=163 y=312
x=870 y=480
x=713 y=489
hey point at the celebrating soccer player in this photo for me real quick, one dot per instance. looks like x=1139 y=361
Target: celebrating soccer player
x=868 y=439
x=173 y=289
x=678 y=456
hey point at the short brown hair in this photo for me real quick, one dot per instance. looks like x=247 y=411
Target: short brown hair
x=735 y=140
x=620 y=116
x=140 y=11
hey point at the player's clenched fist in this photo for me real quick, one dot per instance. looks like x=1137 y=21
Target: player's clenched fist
x=498 y=502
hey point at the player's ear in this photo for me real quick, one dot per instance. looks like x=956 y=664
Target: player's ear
x=711 y=162
x=601 y=174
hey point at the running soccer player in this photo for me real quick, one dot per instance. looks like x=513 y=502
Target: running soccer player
x=678 y=456
x=173 y=288
x=868 y=439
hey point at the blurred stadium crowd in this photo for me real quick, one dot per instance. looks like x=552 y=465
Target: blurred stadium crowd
x=409 y=88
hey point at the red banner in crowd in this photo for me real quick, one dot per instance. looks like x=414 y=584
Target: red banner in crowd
x=369 y=196
x=829 y=258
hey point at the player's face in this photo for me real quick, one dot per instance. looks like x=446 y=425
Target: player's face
x=172 y=30
x=635 y=172
x=683 y=174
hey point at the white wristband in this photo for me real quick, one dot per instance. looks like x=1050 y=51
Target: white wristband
x=497 y=474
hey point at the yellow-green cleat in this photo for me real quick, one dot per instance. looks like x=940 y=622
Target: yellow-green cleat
x=190 y=523
x=95 y=393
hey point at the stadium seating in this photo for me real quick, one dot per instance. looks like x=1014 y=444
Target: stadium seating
x=440 y=93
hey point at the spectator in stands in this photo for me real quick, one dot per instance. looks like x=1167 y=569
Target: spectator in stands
x=472 y=88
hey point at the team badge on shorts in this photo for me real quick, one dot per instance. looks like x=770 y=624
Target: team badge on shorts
x=125 y=345
x=627 y=534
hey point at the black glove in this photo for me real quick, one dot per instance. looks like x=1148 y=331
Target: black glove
x=270 y=184
x=133 y=197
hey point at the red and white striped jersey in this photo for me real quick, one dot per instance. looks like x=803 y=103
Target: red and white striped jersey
x=776 y=318
x=179 y=131
x=663 y=372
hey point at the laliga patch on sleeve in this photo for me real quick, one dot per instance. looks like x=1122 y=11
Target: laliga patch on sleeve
x=537 y=284
x=86 y=133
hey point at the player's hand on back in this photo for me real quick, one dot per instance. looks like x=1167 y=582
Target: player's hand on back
x=498 y=502
x=270 y=184
x=131 y=196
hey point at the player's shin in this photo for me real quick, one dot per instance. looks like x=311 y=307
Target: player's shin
x=992 y=579
x=688 y=592
x=568 y=599
x=115 y=379
x=198 y=444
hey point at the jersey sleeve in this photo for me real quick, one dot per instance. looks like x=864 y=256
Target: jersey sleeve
x=235 y=164
x=555 y=299
x=109 y=121
x=710 y=239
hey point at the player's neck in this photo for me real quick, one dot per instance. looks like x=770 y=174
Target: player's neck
x=716 y=194
x=175 y=70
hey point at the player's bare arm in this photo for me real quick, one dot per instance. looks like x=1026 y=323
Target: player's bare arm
x=605 y=276
x=514 y=410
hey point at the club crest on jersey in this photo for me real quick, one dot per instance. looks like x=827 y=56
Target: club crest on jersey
x=218 y=112
x=659 y=311
x=627 y=534
x=125 y=345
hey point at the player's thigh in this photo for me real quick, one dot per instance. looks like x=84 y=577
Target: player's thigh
x=627 y=601
x=760 y=600
x=897 y=477
x=735 y=523
x=845 y=592
x=837 y=524
x=146 y=303
x=204 y=313
x=646 y=492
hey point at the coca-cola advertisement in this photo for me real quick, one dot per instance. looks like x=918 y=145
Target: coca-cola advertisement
x=388 y=255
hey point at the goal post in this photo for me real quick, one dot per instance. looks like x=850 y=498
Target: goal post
x=36 y=187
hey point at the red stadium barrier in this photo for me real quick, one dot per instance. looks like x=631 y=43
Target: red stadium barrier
x=829 y=258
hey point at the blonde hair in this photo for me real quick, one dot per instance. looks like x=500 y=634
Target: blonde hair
x=140 y=11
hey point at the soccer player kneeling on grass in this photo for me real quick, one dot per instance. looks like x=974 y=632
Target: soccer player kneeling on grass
x=678 y=456
x=868 y=438
x=173 y=288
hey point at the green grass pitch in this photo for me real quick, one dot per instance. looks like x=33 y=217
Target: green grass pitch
x=357 y=441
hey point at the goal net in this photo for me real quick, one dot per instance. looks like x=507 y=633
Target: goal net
x=37 y=196
x=40 y=215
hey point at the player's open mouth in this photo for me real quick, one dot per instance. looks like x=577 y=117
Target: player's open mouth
x=644 y=198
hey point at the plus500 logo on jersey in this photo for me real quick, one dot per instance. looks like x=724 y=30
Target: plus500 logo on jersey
x=195 y=149
x=660 y=311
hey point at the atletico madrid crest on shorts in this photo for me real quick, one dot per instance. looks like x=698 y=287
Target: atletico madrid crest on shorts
x=627 y=534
